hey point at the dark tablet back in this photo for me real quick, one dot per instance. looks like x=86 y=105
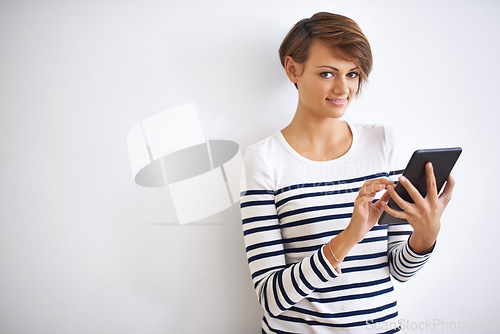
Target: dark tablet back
x=443 y=160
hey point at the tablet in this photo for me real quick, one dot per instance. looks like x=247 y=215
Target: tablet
x=443 y=160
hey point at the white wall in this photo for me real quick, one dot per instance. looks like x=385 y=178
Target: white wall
x=85 y=250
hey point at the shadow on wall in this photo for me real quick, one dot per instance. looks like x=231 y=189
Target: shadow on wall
x=169 y=149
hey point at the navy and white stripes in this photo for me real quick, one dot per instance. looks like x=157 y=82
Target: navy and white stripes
x=291 y=208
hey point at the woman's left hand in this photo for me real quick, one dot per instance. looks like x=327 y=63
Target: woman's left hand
x=425 y=214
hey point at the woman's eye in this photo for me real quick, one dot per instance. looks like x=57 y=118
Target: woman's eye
x=352 y=74
x=326 y=74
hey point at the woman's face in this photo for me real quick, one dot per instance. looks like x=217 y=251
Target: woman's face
x=326 y=82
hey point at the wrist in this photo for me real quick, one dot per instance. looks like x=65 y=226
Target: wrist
x=421 y=244
x=338 y=247
x=353 y=235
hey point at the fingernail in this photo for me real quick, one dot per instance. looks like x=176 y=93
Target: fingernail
x=402 y=178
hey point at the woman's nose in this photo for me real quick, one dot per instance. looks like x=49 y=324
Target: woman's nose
x=340 y=87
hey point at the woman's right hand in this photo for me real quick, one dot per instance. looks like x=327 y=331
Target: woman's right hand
x=366 y=213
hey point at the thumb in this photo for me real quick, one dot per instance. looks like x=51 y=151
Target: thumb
x=378 y=204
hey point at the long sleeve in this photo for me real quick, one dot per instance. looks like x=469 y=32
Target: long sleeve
x=278 y=286
x=403 y=261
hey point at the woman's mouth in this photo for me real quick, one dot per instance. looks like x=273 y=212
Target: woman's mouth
x=337 y=102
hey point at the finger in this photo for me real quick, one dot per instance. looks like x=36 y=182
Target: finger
x=374 y=186
x=385 y=197
x=410 y=188
x=394 y=213
x=366 y=197
x=404 y=205
x=369 y=199
x=432 y=191
x=448 y=189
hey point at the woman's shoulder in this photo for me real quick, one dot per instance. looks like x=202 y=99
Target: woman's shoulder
x=381 y=138
x=377 y=137
x=266 y=147
x=259 y=160
x=367 y=126
x=371 y=131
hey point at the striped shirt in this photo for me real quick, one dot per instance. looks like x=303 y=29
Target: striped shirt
x=291 y=206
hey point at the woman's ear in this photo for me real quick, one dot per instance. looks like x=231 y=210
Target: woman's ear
x=292 y=69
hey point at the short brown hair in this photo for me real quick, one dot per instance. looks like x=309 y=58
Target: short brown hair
x=335 y=31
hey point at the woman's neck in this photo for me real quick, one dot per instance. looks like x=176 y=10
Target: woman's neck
x=318 y=139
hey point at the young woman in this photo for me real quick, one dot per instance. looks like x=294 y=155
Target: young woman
x=318 y=260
